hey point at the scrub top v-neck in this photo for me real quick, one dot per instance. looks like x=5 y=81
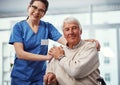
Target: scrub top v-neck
x=33 y=43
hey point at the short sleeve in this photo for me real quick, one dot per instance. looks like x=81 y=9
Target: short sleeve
x=16 y=34
x=54 y=34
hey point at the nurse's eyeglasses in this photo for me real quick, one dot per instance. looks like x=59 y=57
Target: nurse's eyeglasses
x=36 y=8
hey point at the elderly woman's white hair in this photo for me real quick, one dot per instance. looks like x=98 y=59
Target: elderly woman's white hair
x=71 y=19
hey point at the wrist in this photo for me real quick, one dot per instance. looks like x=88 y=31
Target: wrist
x=61 y=57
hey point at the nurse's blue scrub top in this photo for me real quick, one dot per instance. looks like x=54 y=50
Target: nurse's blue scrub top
x=21 y=32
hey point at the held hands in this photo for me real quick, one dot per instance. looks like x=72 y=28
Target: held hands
x=50 y=79
x=56 y=52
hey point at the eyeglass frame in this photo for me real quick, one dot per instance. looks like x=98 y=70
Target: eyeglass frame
x=36 y=8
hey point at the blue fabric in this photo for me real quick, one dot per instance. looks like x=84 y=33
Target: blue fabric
x=16 y=81
x=21 y=32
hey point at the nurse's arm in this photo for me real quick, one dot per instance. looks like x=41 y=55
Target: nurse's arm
x=21 y=54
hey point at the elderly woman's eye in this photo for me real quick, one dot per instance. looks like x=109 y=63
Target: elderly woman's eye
x=66 y=29
x=74 y=27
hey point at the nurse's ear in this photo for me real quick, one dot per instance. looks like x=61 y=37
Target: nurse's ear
x=28 y=7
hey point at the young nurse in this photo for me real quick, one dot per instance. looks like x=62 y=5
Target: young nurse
x=30 y=40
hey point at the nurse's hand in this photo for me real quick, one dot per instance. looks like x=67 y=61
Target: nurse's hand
x=57 y=52
x=97 y=43
x=49 y=57
x=50 y=79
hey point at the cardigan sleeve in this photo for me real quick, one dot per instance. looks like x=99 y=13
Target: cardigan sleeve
x=83 y=63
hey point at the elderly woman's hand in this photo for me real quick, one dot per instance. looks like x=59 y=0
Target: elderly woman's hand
x=50 y=79
x=56 y=52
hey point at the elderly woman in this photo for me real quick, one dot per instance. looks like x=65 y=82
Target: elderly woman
x=75 y=64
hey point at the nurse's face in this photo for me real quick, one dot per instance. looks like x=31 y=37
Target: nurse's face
x=36 y=10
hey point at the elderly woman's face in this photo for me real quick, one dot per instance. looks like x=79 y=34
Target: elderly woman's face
x=72 y=33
